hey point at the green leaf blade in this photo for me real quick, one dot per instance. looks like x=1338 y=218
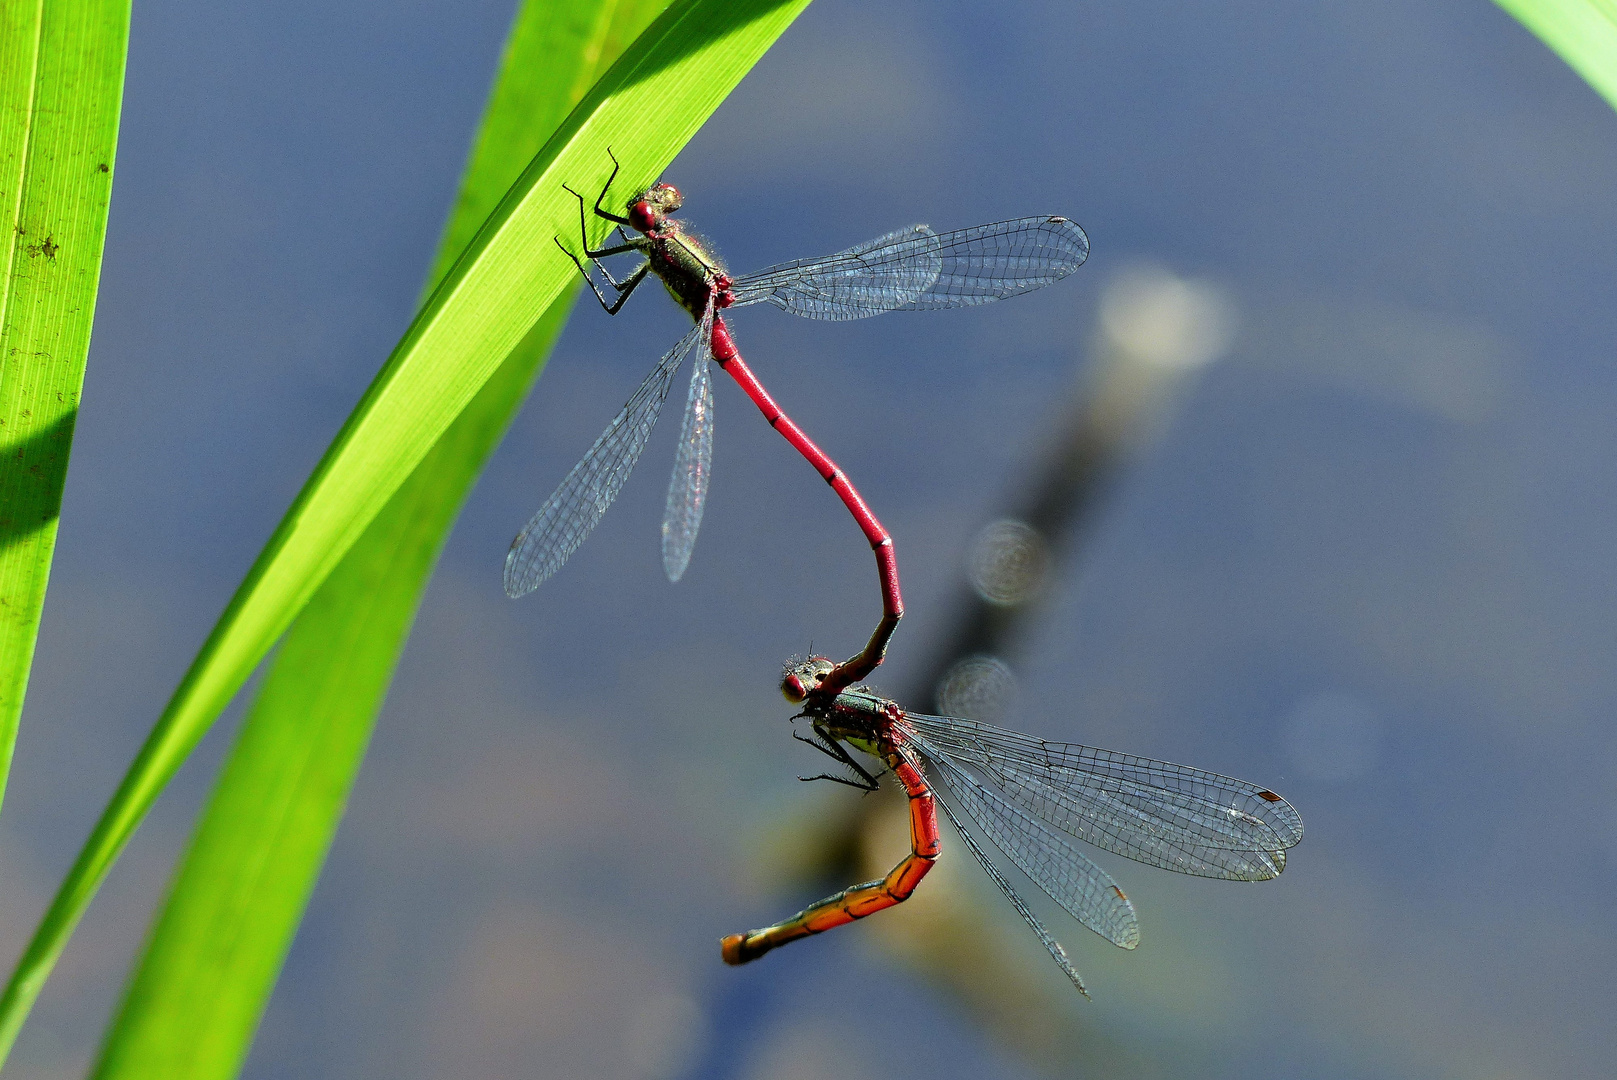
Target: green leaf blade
x=646 y=107
x=61 y=92
x=1581 y=32
x=204 y=978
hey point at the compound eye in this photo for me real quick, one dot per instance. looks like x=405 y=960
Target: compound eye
x=642 y=217
x=792 y=687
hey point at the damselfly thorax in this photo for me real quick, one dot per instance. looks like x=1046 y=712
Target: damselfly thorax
x=687 y=267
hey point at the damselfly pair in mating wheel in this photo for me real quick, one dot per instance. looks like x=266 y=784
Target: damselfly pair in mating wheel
x=1028 y=797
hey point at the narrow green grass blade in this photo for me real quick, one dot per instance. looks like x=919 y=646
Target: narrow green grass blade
x=206 y=974
x=1581 y=32
x=646 y=108
x=61 y=89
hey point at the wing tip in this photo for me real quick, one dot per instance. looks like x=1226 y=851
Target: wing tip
x=1129 y=936
x=1076 y=233
x=508 y=579
x=516 y=590
x=1293 y=833
x=519 y=579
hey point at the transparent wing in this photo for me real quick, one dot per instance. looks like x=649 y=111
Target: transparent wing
x=1057 y=953
x=884 y=274
x=915 y=269
x=567 y=517
x=1066 y=874
x=1178 y=818
x=687 y=488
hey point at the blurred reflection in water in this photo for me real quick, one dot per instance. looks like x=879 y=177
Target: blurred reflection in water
x=1166 y=320
x=1008 y=563
x=978 y=688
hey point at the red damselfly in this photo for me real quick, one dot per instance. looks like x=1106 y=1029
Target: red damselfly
x=1030 y=798
x=911 y=269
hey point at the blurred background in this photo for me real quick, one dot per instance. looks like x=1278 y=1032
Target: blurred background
x=1359 y=545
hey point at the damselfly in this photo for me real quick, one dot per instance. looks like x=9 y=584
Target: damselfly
x=1031 y=799
x=911 y=269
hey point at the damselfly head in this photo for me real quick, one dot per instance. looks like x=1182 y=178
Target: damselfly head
x=648 y=209
x=803 y=676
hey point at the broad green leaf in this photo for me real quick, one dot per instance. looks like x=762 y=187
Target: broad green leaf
x=61 y=88
x=1581 y=32
x=206 y=974
x=646 y=107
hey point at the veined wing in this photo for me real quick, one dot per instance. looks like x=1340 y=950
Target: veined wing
x=1057 y=953
x=884 y=274
x=693 y=462
x=1048 y=858
x=567 y=517
x=915 y=269
x=1166 y=815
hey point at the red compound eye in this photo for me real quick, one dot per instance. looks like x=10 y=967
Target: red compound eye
x=792 y=687
x=642 y=217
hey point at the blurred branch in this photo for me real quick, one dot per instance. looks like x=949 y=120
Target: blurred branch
x=1155 y=330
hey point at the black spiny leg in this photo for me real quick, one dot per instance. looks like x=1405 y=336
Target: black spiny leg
x=625 y=287
x=834 y=749
x=598 y=211
x=595 y=255
x=628 y=245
